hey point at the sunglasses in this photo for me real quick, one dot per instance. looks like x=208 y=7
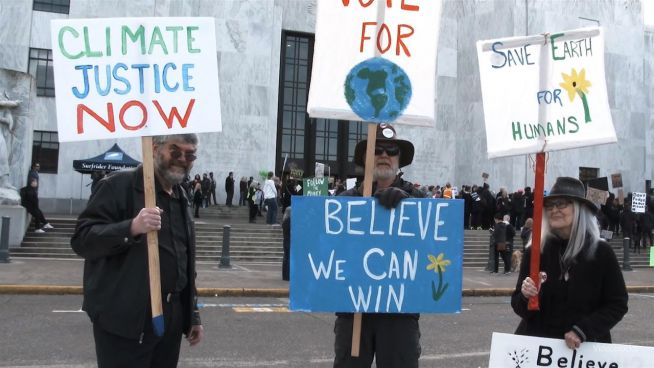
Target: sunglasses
x=176 y=153
x=559 y=204
x=390 y=149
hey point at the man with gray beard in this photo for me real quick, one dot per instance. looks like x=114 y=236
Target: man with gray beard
x=393 y=339
x=111 y=237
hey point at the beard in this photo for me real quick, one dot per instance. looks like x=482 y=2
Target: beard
x=384 y=173
x=172 y=171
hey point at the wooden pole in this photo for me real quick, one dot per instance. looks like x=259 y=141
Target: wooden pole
x=534 y=266
x=367 y=192
x=153 y=240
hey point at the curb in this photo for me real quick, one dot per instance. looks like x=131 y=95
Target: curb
x=250 y=292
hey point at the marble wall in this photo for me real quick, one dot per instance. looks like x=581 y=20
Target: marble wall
x=248 y=52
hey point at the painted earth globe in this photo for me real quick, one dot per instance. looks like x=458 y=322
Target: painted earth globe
x=377 y=90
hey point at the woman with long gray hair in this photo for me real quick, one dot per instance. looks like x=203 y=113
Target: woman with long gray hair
x=582 y=293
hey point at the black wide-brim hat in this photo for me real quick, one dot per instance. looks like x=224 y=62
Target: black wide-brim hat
x=571 y=188
x=385 y=133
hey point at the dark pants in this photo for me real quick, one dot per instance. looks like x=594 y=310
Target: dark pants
x=243 y=200
x=213 y=195
x=394 y=342
x=647 y=238
x=253 y=211
x=506 y=257
x=197 y=208
x=39 y=219
x=156 y=352
x=230 y=196
x=271 y=214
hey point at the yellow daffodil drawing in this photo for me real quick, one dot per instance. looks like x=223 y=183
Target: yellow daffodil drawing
x=438 y=264
x=576 y=84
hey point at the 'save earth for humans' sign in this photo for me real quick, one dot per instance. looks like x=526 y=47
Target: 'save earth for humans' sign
x=349 y=254
x=545 y=93
x=132 y=77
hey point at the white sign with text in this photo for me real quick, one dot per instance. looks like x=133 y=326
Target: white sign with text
x=514 y=351
x=545 y=92
x=134 y=77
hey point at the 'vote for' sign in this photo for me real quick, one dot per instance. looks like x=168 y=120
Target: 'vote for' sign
x=132 y=77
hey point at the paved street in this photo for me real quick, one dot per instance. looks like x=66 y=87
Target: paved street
x=48 y=331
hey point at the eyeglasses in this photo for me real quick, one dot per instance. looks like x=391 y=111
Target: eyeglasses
x=176 y=153
x=559 y=204
x=390 y=149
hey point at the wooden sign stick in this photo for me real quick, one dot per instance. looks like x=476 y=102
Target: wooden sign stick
x=153 y=240
x=534 y=266
x=367 y=192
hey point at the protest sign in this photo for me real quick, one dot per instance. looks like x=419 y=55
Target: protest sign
x=133 y=77
x=545 y=92
x=597 y=196
x=512 y=351
x=349 y=254
x=638 y=202
x=350 y=183
x=320 y=170
x=315 y=187
x=616 y=180
x=375 y=61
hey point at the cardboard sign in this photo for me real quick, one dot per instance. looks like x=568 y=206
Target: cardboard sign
x=512 y=351
x=616 y=180
x=375 y=61
x=545 y=93
x=349 y=254
x=638 y=202
x=315 y=187
x=597 y=196
x=133 y=77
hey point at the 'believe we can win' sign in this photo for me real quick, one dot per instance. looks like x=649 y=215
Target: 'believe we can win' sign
x=133 y=77
x=350 y=254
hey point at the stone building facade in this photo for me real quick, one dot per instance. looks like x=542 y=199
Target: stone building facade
x=252 y=41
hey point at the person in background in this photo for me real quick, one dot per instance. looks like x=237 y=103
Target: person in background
x=499 y=244
x=212 y=190
x=34 y=174
x=286 y=231
x=29 y=198
x=229 y=188
x=206 y=190
x=270 y=199
x=198 y=197
x=251 y=198
x=525 y=233
x=582 y=294
x=243 y=188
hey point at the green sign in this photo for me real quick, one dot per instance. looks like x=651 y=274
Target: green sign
x=315 y=187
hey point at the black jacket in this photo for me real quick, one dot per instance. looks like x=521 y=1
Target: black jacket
x=116 y=282
x=591 y=302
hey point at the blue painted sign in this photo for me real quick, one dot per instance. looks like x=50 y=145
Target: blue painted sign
x=350 y=254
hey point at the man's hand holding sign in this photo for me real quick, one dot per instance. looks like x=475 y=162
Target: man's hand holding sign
x=385 y=256
x=154 y=78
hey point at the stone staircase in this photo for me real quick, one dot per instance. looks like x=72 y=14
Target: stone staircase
x=249 y=243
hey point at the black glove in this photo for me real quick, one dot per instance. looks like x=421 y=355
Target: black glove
x=390 y=197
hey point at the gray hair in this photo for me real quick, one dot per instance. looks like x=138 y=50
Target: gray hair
x=584 y=230
x=190 y=138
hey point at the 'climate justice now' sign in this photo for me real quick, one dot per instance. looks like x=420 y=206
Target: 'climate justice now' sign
x=375 y=61
x=133 y=77
x=545 y=92
x=349 y=254
x=513 y=351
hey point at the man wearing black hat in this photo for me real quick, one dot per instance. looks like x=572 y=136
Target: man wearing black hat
x=392 y=338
